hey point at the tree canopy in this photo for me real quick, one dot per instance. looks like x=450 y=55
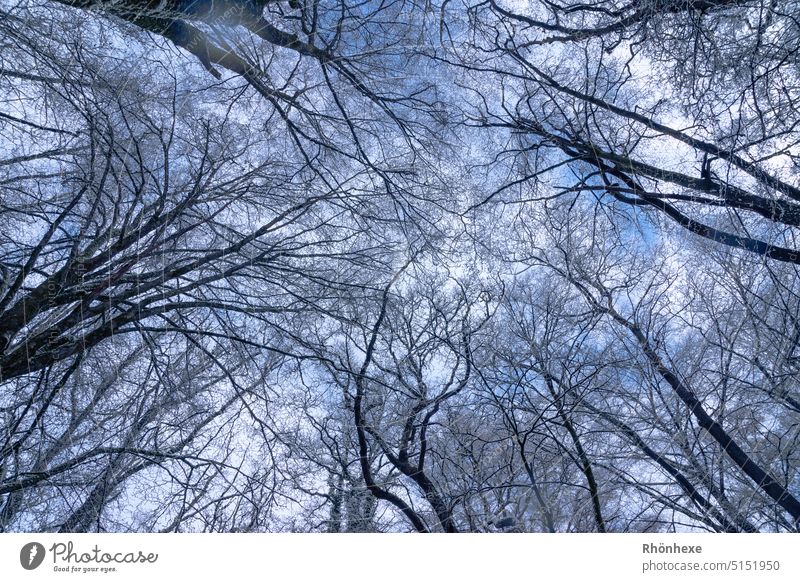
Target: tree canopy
x=399 y=265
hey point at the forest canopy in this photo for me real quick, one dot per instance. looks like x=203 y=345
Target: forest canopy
x=399 y=265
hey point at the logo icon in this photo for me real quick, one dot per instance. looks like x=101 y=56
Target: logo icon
x=31 y=555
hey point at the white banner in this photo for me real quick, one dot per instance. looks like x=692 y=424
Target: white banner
x=399 y=557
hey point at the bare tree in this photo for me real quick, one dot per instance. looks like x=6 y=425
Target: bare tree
x=407 y=266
